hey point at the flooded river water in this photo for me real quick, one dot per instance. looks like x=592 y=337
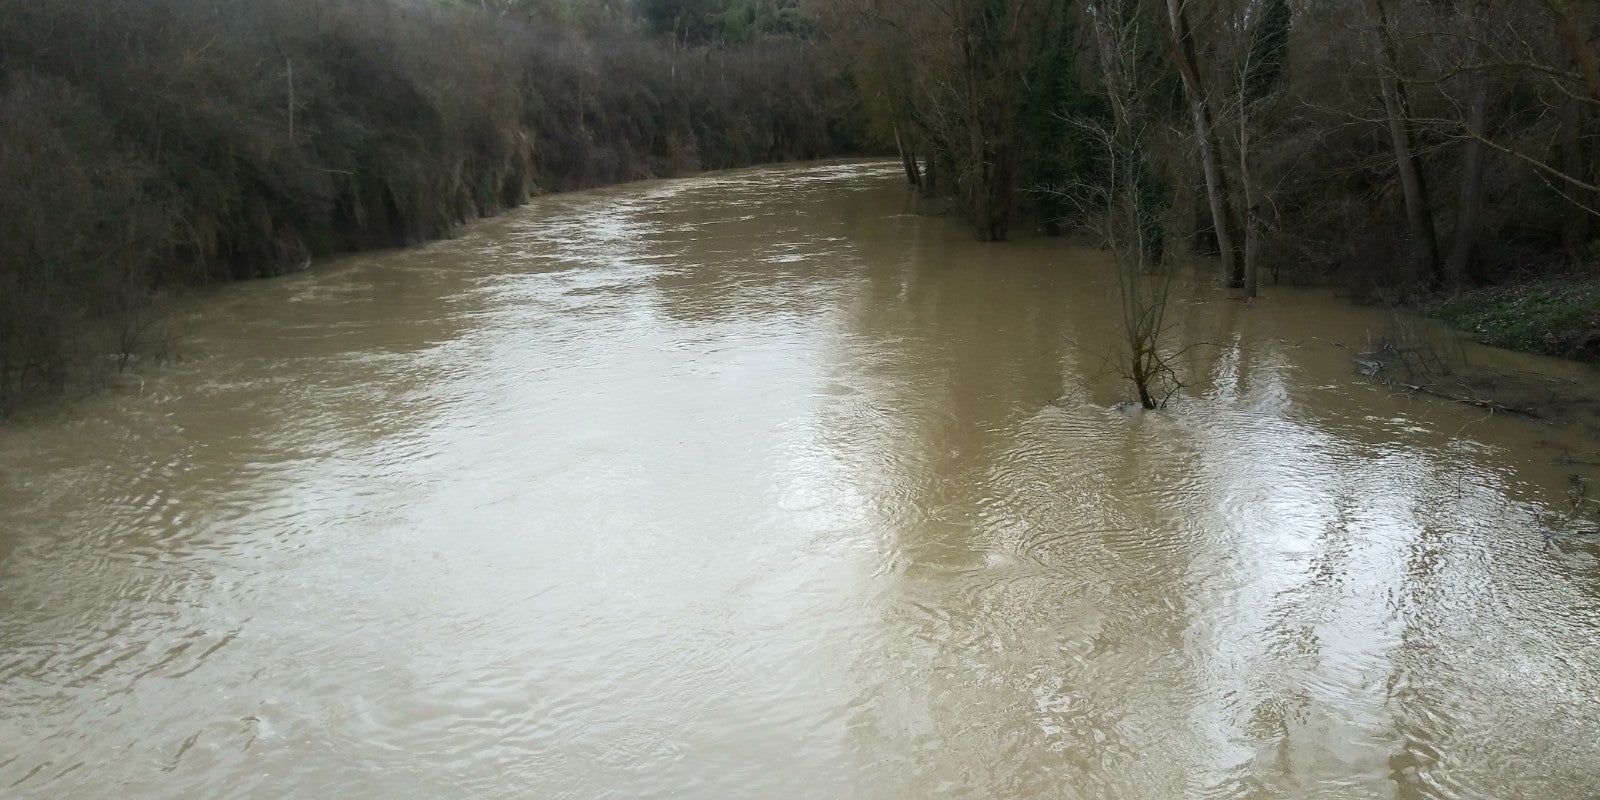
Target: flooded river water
x=757 y=485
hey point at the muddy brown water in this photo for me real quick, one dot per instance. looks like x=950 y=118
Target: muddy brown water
x=756 y=485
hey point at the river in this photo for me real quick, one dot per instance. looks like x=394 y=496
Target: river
x=756 y=484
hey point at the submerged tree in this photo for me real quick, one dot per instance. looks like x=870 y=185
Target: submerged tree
x=1125 y=204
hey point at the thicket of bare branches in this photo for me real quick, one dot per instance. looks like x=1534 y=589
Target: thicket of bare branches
x=950 y=83
x=1388 y=143
x=156 y=143
x=1428 y=144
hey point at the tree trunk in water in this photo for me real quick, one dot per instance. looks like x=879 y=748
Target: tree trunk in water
x=1413 y=186
x=908 y=159
x=995 y=221
x=1141 y=379
x=983 y=171
x=982 y=202
x=1252 y=226
x=1222 y=216
x=1252 y=250
x=1204 y=241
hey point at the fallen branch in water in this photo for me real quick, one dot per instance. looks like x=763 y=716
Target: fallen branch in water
x=1472 y=401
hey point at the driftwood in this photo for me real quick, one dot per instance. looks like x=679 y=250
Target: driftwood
x=1472 y=401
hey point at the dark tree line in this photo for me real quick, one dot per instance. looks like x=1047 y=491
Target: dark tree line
x=151 y=144
x=1391 y=143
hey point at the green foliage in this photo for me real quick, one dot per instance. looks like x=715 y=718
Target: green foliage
x=1554 y=317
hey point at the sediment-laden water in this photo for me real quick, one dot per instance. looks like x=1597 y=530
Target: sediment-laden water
x=758 y=485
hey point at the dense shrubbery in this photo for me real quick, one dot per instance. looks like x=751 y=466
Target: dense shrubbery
x=146 y=144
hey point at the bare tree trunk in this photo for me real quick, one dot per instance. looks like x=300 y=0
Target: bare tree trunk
x=1574 y=151
x=1217 y=194
x=978 y=167
x=1575 y=225
x=1461 y=265
x=1577 y=43
x=1252 y=222
x=997 y=191
x=908 y=159
x=1413 y=186
x=1142 y=379
x=288 y=64
x=1252 y=250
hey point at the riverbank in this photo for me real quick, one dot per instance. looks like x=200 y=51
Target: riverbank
x=202 y=143
x=1555 y=316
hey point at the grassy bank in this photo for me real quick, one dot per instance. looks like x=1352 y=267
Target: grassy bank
x=1552 y=316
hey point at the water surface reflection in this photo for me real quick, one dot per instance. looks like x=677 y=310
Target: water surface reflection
x=757 y=485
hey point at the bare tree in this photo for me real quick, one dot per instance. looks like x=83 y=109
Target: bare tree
x=1218 y=196
x=1120 y=205
x=1461 y=264
x=1413 y=183
x=1252 y=43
